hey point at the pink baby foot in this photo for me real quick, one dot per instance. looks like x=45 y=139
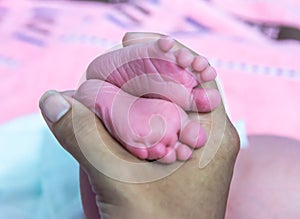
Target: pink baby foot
x=157 y=70
x=148 y=128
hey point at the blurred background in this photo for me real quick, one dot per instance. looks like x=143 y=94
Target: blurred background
x=254 y=46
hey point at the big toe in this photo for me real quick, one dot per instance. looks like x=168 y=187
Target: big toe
x=141 y=153
x=131 y=38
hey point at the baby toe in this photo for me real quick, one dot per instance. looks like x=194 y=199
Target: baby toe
x=208 y=74
x=170 y=156
x=157 y=151
x=183 y=152
x=184 y=58
x=205 y=100
x=193 y=134
x=200 y=63
x=141 y=153
x=165 y=44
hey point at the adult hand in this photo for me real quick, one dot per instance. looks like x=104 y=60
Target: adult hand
x=126 y=187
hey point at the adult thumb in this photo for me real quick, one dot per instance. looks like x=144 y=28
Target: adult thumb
x=76 y=128
x=83 y=135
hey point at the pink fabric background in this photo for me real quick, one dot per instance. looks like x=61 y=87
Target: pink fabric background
x=48 y=45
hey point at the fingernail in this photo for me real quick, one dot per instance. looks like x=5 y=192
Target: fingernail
x=54 y=106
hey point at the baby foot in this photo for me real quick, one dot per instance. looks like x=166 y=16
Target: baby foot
x=148 y=128
x=156 y=69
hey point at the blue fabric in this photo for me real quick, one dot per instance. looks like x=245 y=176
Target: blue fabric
x=38 y=179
